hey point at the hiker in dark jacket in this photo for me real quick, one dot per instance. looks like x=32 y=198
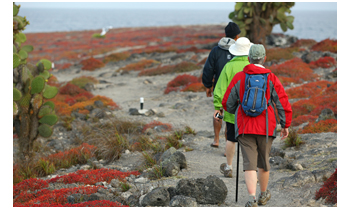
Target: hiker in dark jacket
x=215 y=62
x=252 y=131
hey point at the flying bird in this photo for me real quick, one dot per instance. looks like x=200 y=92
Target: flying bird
x=105 y=30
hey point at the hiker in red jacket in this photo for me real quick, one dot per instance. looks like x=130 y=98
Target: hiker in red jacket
x=251 y=132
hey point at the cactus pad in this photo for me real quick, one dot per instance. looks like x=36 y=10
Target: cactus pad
x=40 y=67
x=27 y=48
x=50 y=92
x=16 y=60
x=23 y=54
x=46 y=63
x=45 y=74
x=16 y=94
x=44 y=110
x=37 y=102
x=45 y=130
x=50 y=104
x=48 y=119
x=14 y=49
x=20 y=37
x=15 y=10
x=37 y=85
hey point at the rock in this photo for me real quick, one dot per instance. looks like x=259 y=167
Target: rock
x=147 y=81
x=132 y=201
x=295 y=166
x=89 y=107
x=98 y=113
x=333 y=74
x=183 y=201
x=134 y=111
x=211 y=190
x=178 y=106
x=276 y=152
x=150 y=112
x=171 y=169
x=326 y=114
x=321 y=175
x=157 y=197
x=78 y=115
x=84 y=167
x=311 y=56
x=99 y=103
x=172 y=192
x=278 y=161
x=126 y=195
x=96 y=196
x=278 y=39
x=167 y=154
x=141 y=180
x=71 y=199
x=115 y=183
x=298 y=179
x=89 y=87
x=160 y=114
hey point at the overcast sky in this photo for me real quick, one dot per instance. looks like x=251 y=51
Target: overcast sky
x=166 y=5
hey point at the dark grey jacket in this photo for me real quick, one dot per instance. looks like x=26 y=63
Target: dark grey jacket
x=216 y=61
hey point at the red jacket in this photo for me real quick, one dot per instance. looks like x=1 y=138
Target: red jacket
x=275 y=93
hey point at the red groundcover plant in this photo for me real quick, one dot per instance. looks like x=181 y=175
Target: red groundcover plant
x=91 y=64
x=166 y=126
x=95 y=203
x=324 y=62
x=329 y=189
x=180 y=82
x=329 y=125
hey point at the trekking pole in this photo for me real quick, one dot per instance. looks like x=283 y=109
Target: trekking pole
x=237 y=174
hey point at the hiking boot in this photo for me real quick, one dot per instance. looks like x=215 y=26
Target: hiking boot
x=251 y=204
x=227 y=172
x=264 y=198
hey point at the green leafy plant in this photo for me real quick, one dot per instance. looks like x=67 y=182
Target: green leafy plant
x=257 y=19
x=293 y=139
x=125 y=186
x=30 y=89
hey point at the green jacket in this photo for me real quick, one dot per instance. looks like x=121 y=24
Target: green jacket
x=232 y=67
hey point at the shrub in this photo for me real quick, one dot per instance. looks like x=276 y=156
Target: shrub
x=116 y=57
x=141 y=65
x=329 y=125
x=71 y=89
x=91 y=64
x=179 y=82
x=280 y=53
x=83 y=80
x=328 y=190
x=324 y=62
x=195 y=87
x=153 y=124
x=308 y=90
x=63 y=66
x=294 y=70
x=303 y=119
x=178 y=68
x=293 y=140
x=304 y=43
x=326 y=45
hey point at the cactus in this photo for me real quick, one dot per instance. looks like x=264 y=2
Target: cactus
x=30 y=111
x=48 y=119
x=257 y=19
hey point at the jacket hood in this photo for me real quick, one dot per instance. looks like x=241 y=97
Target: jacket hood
x=225 y=43
x=253 y=69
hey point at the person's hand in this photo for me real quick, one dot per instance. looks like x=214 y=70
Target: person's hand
x=284 y=133
x=215 y=112
x=208 y=92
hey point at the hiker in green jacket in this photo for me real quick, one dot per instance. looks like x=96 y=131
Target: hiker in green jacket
x=240 y=49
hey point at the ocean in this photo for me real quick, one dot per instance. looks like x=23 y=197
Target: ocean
x=317 y=25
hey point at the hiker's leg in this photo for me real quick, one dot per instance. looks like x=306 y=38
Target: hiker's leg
x=217 y=128
x=230 y=151
x=249 y=153
x=250 y=179
x=263 y=161
x=263 y=179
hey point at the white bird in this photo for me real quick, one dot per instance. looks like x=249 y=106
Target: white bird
x=105 y=30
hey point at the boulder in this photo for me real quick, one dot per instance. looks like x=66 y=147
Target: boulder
x=326 y=114
x=311 y=56
x=211 y=190
x=157 y=197
x=321 y=175
x=99 y=103
x=174 y=163
x=183 y=201
x=280 y=40
x=97 y=113
x=298 y=179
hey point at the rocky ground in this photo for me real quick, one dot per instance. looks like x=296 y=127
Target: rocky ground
x=295 y=176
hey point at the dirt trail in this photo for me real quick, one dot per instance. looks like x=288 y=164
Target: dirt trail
x=180 y=109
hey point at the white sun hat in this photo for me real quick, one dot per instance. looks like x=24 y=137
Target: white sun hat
x=241 y=47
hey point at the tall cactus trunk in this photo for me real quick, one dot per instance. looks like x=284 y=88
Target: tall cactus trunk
x=24 y=142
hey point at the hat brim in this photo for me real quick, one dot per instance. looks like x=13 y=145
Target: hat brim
x=233 y=50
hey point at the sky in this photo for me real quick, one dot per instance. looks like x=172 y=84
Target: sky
x=167 y=5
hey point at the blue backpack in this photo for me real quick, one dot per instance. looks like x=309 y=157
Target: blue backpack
x=254 y=99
